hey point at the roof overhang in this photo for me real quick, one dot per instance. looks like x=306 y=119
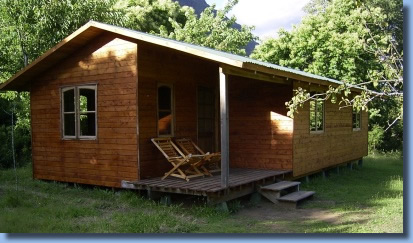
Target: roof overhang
x=242 y=66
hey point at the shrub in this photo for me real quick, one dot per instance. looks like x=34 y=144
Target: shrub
x=22 y=146
x=375 y=137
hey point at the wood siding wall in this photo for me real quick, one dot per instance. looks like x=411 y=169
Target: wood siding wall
x=158 y=65
x=109 y=62
x=260 y=133
x=336 y=145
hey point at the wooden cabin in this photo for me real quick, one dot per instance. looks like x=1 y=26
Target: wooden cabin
x=100 y=95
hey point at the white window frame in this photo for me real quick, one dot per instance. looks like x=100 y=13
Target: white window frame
x=352 y=123
x=172 y=110
x=324 y=116
x=77 y=112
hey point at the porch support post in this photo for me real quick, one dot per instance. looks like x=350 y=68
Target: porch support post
x=223 y=103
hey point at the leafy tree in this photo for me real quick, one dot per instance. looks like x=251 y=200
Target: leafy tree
x=360 y=44
x=330 y=43
x=316 y=6
x=37 y=25
x=27 y=29
x=150 y=15
x=212 y=29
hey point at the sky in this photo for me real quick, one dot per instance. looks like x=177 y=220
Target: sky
x=268 y=16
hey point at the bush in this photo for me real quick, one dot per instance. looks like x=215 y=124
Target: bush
x=375 y=137
x=22 y=146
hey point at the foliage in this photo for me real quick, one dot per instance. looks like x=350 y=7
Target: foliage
x=21 y=144
x=22 y=135
x=375 y=137
x=33 y=26
x=212 y=29
x=357 y=43
x=330 y=43
x=149 y=15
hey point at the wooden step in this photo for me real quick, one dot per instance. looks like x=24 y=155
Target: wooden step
x=274 y=191
x=279 y=186
x=294 y=197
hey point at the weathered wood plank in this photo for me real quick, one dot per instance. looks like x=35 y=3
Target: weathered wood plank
x=296 y=196
x=204 y=185
x=281 y=185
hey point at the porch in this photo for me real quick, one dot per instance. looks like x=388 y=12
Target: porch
x=241 y=182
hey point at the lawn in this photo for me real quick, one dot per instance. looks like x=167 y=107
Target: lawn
x=367 y=199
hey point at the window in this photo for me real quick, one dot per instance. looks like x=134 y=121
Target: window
x=356 y=120
x=79 y=112
x=165 y=111
x=316 y=115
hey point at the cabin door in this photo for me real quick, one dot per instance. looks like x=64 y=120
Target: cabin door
x=206 y=119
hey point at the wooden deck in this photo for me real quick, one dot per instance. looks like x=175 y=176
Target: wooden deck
x=241 y=182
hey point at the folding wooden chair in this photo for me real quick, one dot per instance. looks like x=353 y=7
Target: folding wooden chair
x=210 y=159
x=184 y=166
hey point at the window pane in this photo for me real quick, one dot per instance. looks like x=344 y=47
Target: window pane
x=86 y=99
x=320 y=115
x=165 y=123
x=312 y=105
x=69 y=125
x=312 y=116
x=354 y=119
x=312 y=121
x=164 y=98
x=87 y=124
x=69 y=100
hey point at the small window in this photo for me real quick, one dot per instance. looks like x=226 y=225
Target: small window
x=356 y=120
x=165 y=111
x=79 y=112
x=317 y=115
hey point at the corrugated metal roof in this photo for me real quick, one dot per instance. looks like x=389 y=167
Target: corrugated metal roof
x=92 y=29
x=225 y=55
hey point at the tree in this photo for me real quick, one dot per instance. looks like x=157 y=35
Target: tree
x=27 y=29
x=353 y=42
x=149 y=15
x=212 y=29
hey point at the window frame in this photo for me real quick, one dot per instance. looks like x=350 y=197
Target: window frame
x=358 y=113
x=172 y=134
x=77 y=111
x=315 y=116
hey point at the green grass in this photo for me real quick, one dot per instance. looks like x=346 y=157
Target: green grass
x=379 y=178
x=368 y=199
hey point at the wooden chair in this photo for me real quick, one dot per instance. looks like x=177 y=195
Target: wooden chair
x=210 y=159
x=184 y=166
